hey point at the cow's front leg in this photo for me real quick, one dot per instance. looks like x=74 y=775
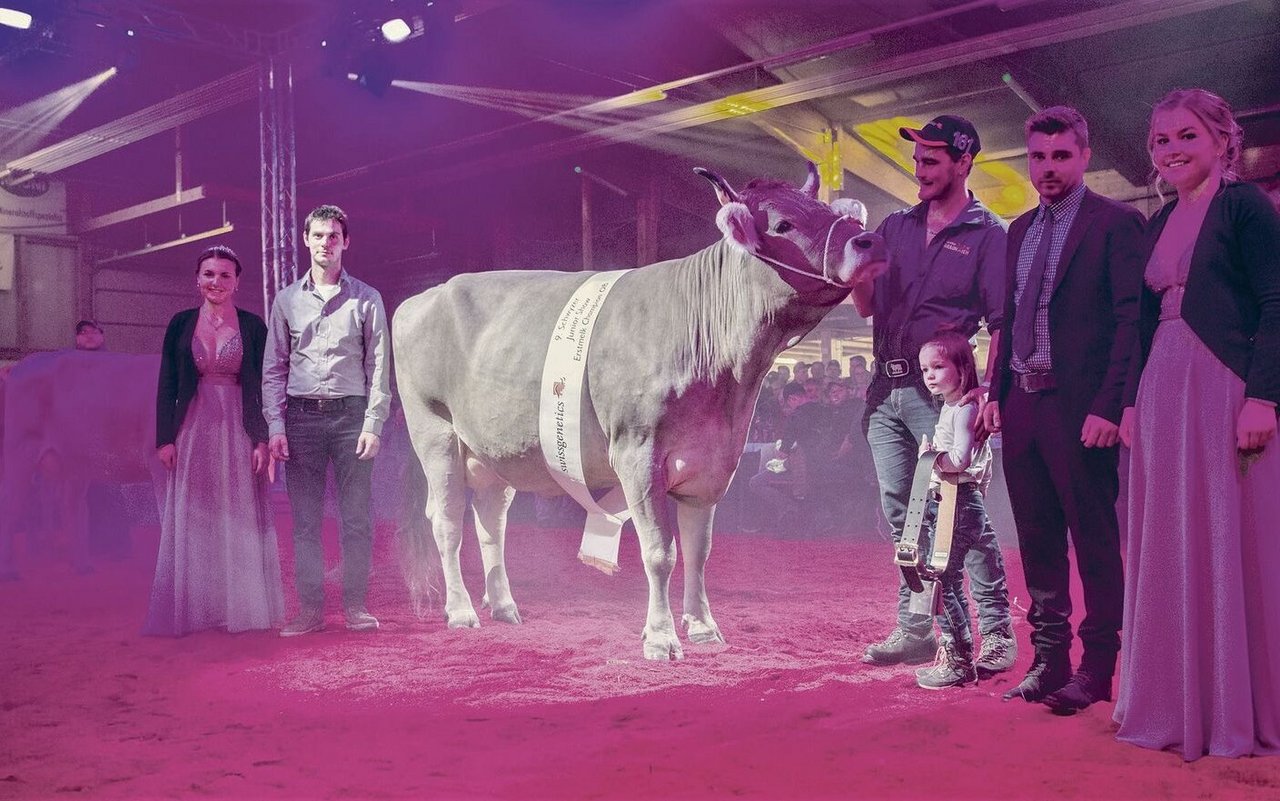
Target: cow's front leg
x=655 y=528
x=695 y=545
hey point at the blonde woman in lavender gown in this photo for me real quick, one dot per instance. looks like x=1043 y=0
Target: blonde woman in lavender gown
x=1200 y=662
x=218 y=565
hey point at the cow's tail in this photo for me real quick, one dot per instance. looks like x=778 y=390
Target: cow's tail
x=419 y=555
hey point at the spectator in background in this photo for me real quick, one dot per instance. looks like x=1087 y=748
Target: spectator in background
x=800 y=373
x=89 y=336
x=859 y=376
x=108 y=513
x=833 y=370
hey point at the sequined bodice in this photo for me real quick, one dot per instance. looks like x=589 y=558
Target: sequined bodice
x=223 y=365
x=1158 y=278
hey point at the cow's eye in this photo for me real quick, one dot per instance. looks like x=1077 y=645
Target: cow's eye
x=782 y=227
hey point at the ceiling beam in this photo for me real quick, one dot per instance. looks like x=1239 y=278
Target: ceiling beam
x=143 y=209
x=181 y=109
x=1117 y=16
x=802 y=128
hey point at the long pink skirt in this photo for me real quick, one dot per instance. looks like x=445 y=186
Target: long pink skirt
x=1200 y=655
x=218 y=565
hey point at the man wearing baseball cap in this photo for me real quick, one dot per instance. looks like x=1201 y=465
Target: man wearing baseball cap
x=946 y=271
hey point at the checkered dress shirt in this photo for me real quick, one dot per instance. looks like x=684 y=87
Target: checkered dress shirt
x=1064 y=214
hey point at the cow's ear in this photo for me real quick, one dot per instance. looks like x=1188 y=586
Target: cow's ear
x=848 y=207
x=738 y=226
x=724 y=192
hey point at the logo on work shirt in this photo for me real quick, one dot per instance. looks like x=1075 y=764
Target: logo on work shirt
x=963 y=250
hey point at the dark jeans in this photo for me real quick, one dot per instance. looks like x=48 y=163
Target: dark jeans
x=315 y=439
x=898 y=415
x=971 y=521
x=1057 y=485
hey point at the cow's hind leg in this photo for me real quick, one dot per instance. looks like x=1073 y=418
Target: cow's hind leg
x=438 y=449
x=491 y=499
x=656 y=530
x=695 y=547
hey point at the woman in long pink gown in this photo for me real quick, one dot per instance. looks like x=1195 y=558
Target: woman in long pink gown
x=1200 y=658
x=218 y=564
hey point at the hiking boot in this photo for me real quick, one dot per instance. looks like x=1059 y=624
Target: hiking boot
x=998 y=653
x=901 y=648
x=307 y=621
x=952 y=669
x=360 y=620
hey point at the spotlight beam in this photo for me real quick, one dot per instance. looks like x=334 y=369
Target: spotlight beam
x=22 y=128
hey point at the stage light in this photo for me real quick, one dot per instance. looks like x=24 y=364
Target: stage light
x=15 y=19
x=396 y=30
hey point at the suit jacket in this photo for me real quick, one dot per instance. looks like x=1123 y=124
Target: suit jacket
x=1232 y=300
x=178 y=375
x=1093 y=308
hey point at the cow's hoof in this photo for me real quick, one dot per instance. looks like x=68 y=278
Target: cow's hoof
x=464 y=620
x=663 y=647
x=506 y=614
x=702 y=633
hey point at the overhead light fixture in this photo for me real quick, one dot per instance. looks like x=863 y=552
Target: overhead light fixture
x=396 y=30
x=15 y=19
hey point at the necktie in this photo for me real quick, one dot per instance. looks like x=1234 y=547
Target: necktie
x=1024 y=319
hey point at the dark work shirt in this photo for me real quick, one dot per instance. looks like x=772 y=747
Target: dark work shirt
x=958 y=280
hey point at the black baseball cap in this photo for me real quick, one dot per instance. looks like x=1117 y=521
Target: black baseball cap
x=950 y=131
x=83 y=324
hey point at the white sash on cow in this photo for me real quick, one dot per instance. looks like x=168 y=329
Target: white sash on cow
x=560 y=420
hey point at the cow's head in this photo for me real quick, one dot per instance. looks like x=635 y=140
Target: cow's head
x=812 y=245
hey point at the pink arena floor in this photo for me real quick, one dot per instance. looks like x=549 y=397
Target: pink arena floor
x=561 y=707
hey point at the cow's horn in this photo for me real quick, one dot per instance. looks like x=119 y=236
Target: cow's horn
x=724 y=192
x=811 y=183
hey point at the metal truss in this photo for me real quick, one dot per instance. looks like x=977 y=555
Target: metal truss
x=279 y=178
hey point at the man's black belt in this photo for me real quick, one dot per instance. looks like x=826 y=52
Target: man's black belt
x=327 y=405
x=1035 y=382
x=898 y=368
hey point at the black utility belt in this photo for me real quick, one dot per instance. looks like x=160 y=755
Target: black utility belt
x=327 y=405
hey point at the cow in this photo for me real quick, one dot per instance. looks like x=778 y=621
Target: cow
x=673 y=371
x=77 y=418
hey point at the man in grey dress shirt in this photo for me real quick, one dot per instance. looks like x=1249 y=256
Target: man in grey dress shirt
x=326 y=395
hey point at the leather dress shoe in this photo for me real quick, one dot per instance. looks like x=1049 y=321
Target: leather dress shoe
x=1084 y=688
x=1046 y=676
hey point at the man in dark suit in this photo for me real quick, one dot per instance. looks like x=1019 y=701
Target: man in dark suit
x=1071 y=309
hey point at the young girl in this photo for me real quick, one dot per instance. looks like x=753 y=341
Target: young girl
x=949 y=370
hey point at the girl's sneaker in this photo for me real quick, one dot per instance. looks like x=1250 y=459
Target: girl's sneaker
x=952 y=669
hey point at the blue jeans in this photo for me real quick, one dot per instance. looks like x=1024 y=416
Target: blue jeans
x=315 y=439
x=970 y=522
x=899 y=413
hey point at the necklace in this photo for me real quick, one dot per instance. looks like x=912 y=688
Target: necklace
x=214 y=320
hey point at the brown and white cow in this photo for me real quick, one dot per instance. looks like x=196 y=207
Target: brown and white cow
x=78 y=417
x=674 y=368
